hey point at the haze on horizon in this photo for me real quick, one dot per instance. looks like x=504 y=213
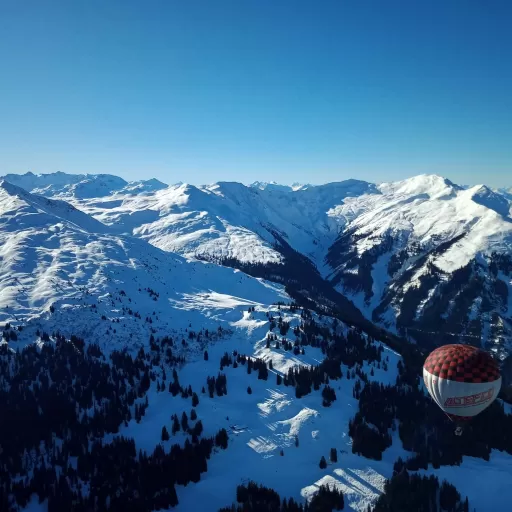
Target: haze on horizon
x=245 y=91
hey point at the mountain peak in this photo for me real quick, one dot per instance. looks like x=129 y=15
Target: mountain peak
x=271 y=185
x=81 y=186
x=433 y=185
x=483 y=195
x=145 y=186
x=22 y=208
x=62 y=184
x=12 y=190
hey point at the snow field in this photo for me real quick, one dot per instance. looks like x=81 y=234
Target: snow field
x=265 y=422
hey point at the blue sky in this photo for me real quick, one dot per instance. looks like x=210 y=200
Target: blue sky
x=210 y=90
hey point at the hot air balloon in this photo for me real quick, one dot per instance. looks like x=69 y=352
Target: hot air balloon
x=463 y=381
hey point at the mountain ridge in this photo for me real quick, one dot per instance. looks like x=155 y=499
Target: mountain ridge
x=306 y=378
x=364 y=239
x=58 y=268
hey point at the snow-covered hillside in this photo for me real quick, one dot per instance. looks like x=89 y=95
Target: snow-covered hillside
x=54 y=257
x=64 y=272
x=403 y=250
x=223 y=220
x=426 y=211
x=377 y=244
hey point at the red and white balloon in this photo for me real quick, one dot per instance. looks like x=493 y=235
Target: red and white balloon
x=463 y=380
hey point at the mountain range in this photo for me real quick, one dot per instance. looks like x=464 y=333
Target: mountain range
x=423 y=257
x=333 y=292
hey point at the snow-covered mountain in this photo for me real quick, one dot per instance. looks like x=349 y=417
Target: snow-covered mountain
x=63 y=273
x=62 y=270
x=80 y=186
x=79 y=270
x=506 y=192
x=273 y=185
x=227 y=220
x=419 y=256
x=379 y=245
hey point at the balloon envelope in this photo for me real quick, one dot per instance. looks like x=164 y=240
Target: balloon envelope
x=463 y=380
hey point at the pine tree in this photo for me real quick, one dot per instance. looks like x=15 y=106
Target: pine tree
x=175 y=425
x=334 y=455
x=323 y=463
x=184 y=421
x=195 y=399
x=198 y=428
x=221 y=439
x=193 y=415
x=206 y=355
x=165 y=434
x=249 y=390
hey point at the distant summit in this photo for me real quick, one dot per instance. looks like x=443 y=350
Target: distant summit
x=273 y=185
x=80 y=186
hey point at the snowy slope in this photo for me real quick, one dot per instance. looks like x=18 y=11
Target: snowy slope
x=507 y=194
x=64 y=272
x=268 y=421
x=374 y=243
x=55 y=257
x=413 y=237
x=61 y=270
x=426 y=210
x=228 y=220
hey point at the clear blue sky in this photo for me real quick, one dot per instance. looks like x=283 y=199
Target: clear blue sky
x=291 y=90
